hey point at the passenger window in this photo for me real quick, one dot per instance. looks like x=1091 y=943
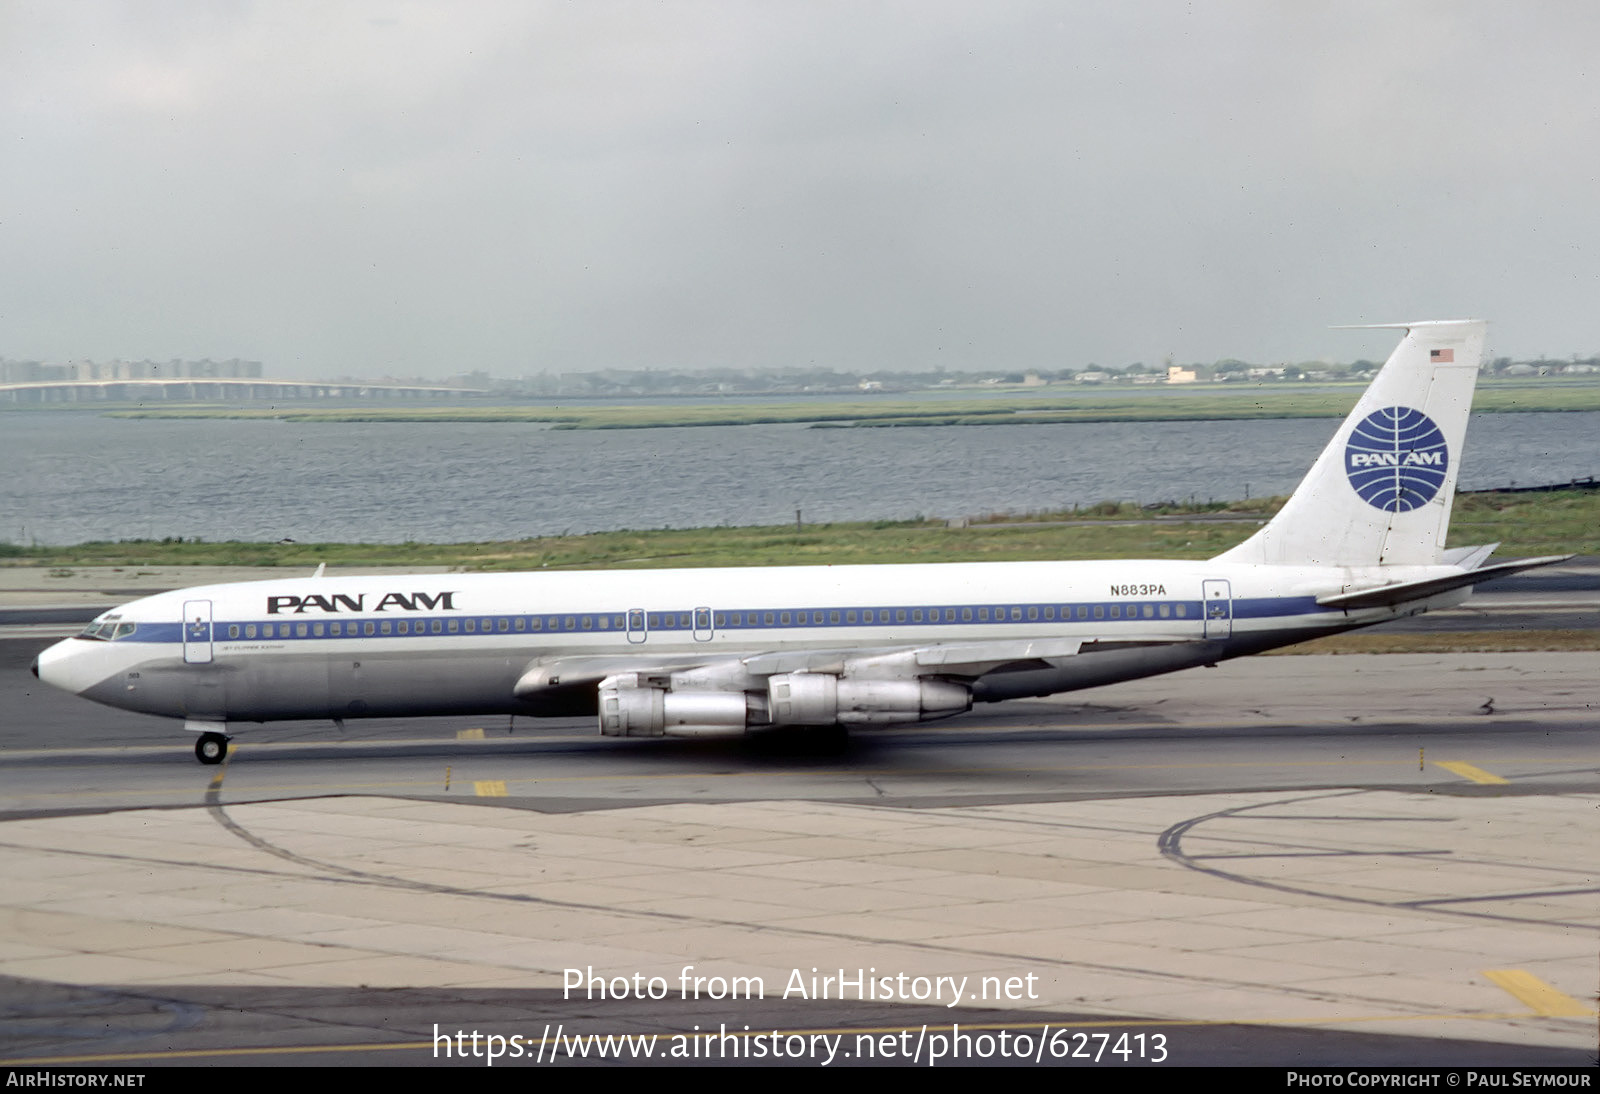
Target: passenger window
x=1183 y=611
x=384 y=627
x=233 y=630
x=368 y=628
x=1099 y=611
x=249 y=630
x=316 y=629
x=299 y=630
x=454 y=626
x=1149 y=611
x=588 y=622
x=1166 y=610
x=983 y=615
x=1116 y=611
x=438 y=626
x=849 y=617
x=900 y=615
x=1033 y=613
x=522 y=624
x=472 y=626
x=336 y=629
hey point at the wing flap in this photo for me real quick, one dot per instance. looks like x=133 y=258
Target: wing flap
x=567 y=672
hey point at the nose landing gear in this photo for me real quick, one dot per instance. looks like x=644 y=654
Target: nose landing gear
x=211 y=748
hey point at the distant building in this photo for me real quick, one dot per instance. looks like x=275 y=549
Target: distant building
x=1177 y=374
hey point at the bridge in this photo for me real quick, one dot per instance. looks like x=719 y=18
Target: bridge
x=211 y=389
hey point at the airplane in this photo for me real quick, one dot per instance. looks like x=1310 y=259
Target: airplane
x=823 y=649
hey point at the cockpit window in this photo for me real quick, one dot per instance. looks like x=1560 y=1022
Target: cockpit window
x=107 y=630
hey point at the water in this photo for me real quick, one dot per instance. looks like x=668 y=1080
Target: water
x=73 y=476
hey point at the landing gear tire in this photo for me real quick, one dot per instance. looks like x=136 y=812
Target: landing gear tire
x=211 y=748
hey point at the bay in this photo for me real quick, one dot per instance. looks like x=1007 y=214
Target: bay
x=72 y=477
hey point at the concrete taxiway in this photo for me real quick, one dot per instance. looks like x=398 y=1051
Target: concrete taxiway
x=1300 y=860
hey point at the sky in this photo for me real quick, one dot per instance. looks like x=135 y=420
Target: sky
x=425 y=189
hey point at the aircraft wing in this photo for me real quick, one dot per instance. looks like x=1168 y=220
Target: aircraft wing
x=939 y=659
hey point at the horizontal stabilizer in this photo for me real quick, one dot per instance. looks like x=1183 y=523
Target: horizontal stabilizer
x=1399 y=593
x=1468 y=558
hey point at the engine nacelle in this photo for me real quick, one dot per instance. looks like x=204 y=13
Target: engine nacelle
x=820 y=699
x=630 y=708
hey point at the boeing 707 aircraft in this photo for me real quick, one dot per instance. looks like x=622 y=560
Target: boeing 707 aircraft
x=732 y=651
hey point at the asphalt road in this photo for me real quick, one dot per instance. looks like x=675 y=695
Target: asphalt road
x=1290 y=729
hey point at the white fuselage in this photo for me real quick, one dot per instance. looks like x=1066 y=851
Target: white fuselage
x=459 y=643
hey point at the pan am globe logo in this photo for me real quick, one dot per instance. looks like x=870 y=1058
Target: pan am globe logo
x=1396 y=459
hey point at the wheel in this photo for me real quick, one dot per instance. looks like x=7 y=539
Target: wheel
x=211 y=748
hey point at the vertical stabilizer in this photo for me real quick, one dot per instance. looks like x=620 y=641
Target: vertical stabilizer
x=1380 y=493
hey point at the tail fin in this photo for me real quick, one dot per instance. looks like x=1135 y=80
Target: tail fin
x=1380 y=493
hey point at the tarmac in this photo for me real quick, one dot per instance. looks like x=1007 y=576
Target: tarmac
x=1460 y=911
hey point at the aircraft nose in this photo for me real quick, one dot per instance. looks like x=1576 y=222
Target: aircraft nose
x=58 y=667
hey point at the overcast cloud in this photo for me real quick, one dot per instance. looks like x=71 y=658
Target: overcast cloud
x=424 y=189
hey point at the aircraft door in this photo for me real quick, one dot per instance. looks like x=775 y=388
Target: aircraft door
x=702 y=624
x=1217 y=603
x=197 y=632
x=637 y=630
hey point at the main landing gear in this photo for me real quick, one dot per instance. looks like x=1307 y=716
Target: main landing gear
x=211 y=748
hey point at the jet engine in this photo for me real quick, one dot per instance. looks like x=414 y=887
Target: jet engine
x=638 y=705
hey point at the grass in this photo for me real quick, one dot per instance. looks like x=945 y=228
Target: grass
x=1210 y=402
x=1561 y=522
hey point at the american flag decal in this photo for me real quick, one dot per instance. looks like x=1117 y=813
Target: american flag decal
x=1442 y=356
